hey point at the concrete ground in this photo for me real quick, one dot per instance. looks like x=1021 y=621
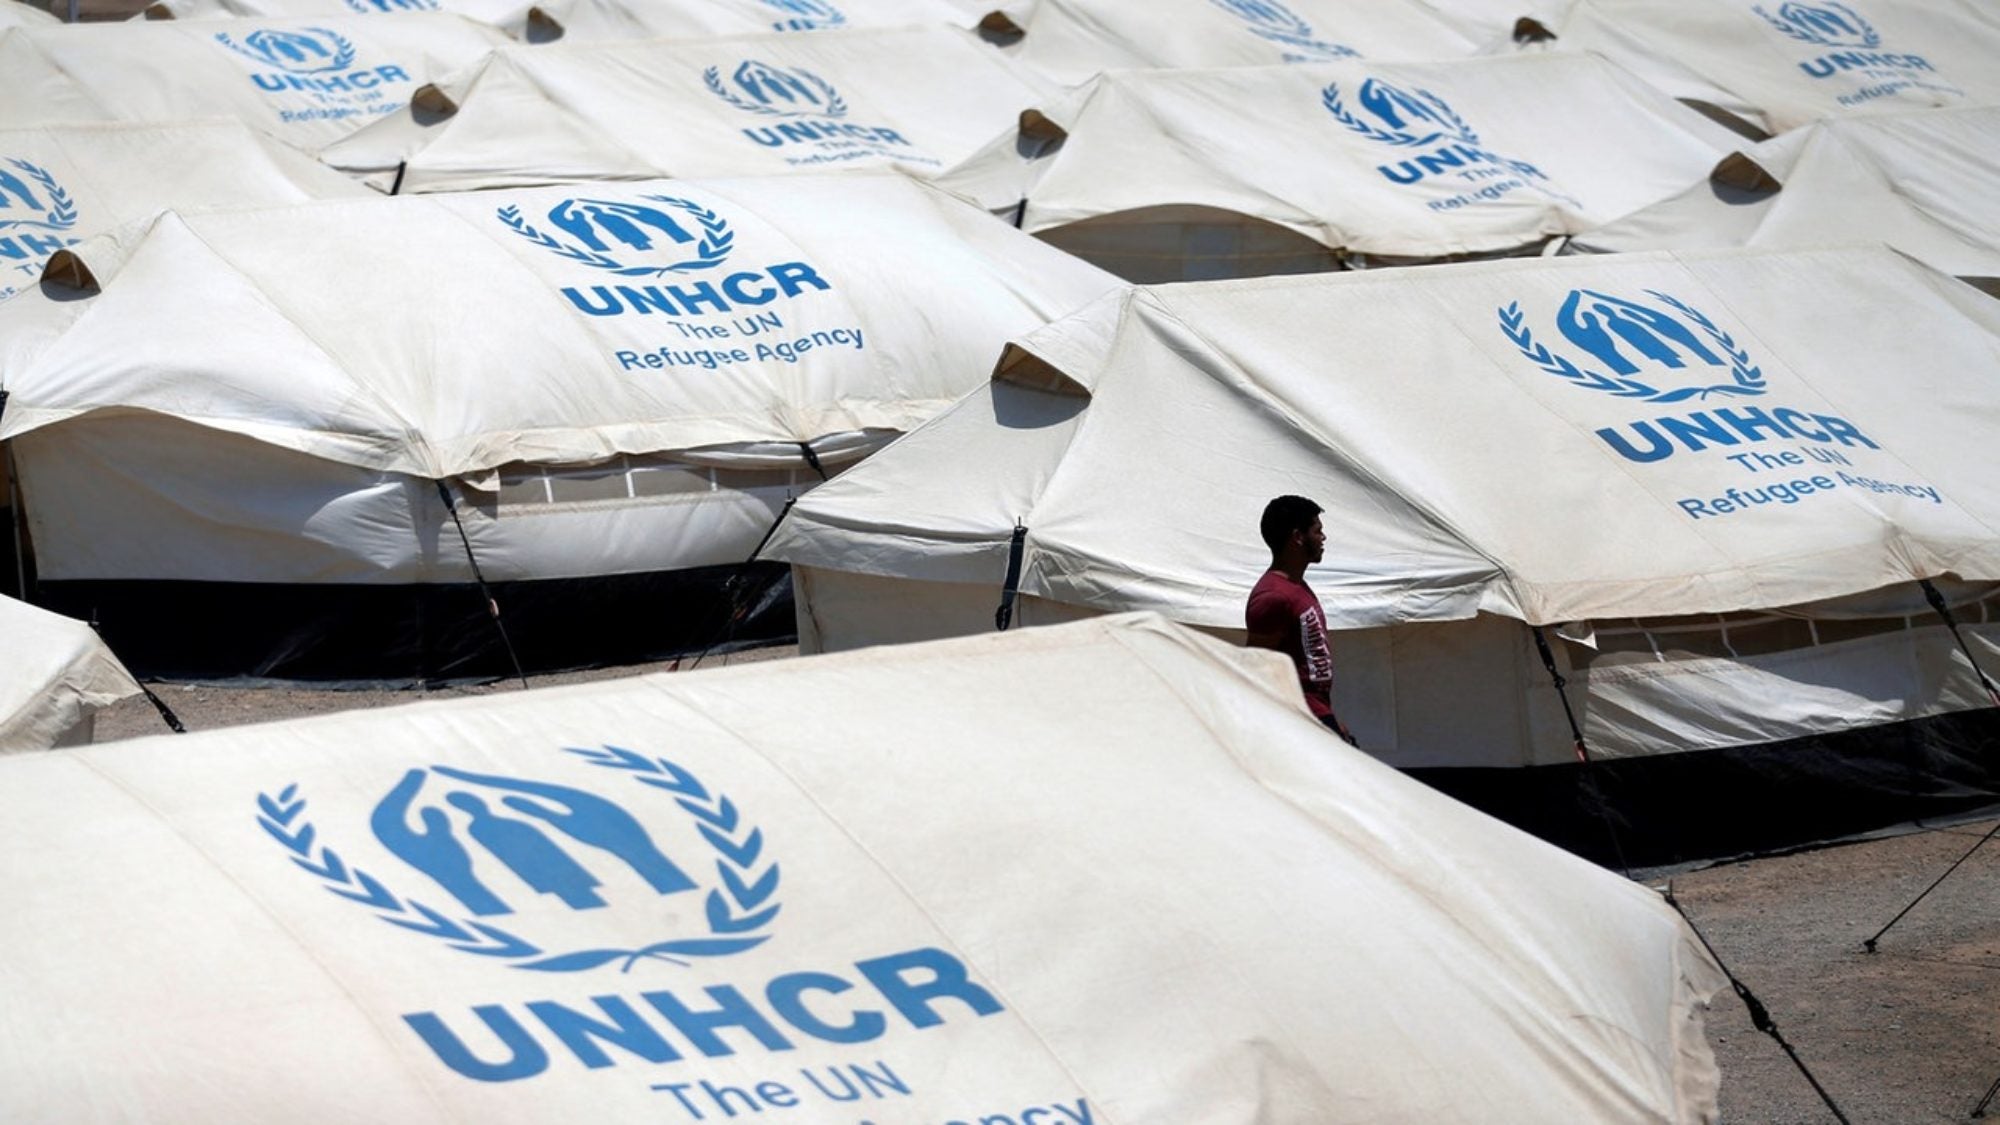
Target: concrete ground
x=1908 y=1034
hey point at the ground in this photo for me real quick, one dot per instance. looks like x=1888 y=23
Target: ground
x=1907 y=1034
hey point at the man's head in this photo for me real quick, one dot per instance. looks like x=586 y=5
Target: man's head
x=1291 y=526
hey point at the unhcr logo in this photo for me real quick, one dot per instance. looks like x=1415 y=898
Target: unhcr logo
x=369 y=7
x=640 y=240
x=1271 y=20
x=1635 y=344
x=1402 y=118
x=1826 y=24
x=630 y=239
x=806 y=15
x=775 y=91
x=479 y=841
x=1419 y=119
x=475 y=860
x=30 y=198
x=310 y=51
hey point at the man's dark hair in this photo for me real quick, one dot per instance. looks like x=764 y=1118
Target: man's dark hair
x=1285 y=515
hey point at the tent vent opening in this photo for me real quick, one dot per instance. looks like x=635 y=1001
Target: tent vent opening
x=67 y=271
x=1743 y=174
x=999 y=29
x=543 y=27
x=1726 y=119
x=642 y=479
x=429 y=105
x=1528 y=29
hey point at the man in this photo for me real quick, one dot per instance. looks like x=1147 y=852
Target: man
x=1283 y=613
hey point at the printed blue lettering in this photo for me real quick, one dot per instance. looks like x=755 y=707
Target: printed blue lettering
x=606 y=304
x=792 y=277
x=1657 y=447
x=1696 y=427
x=578 y=1031
x=914 y=999
x=525 y=1057
x=731 y=1010
x=785 y=995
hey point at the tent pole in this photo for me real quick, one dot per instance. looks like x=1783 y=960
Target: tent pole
x=1587 y=776
x=492 y=606
x=1937 y=601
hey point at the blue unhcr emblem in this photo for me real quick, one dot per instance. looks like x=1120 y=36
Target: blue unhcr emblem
x=1270 y=19
x=1622 y=335
x=806 y=15
x=373 y=6
x=52 y=208
x=307 y=51
x=1402 y=117
x=776 y=91
x=737 y=913
x=597 y=224
x=1827 y=23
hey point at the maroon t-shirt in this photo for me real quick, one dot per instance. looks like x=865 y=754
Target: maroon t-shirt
x=1287 y=609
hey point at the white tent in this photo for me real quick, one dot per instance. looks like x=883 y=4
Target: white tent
x=242 y=420
x=62 y=183
x=596 y=20
x=1235 y=172
x=1137 y=886
x=305 y=82
x=1071 y=41
x=918 y=99
x=1920 y=181
x=54 y=676
x=13 y=13
x=1721 y=474
x=1781 y=64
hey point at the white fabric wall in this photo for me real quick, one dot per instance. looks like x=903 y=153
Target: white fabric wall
x=1474 y=693
x=137 y=496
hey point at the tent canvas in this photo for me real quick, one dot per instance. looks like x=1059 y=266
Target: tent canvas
x=1138 y=884
x=598 y=20
x=62 y=183
x=641 y=376
x=54 y=675
x=1704 y=458
x=1781 y=65
x=917 y=99
x=1918 y=181
x=1294 y=168
x=1071 y=41
x=304 y=82
x=14 y=13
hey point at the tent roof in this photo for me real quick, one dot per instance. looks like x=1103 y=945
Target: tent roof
x=13 y=13
x=1546 y=439
x=452 y=334
x=915 y=98
x=53 y=673
x=1140 y=877
x=576 y=21
x=60 y=183
x=1919 y=181
x=306 y=82
x=1516 y=149
x=1072 y=40
x=1779 y=66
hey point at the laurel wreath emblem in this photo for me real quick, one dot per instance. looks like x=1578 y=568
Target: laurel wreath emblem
x=343 y=52
x=836 y=106
x=61 y=214
x=1870 y=38
x=1330 y=97
x=717 y=240
x=735 y=912
x=1748 y=378
x=811 y=15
